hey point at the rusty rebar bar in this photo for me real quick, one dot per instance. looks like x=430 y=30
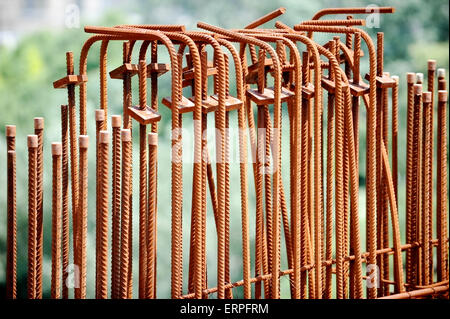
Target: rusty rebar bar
x=410 y=190
x=416 y=184
x=115 y=207
x=73 y=163
x=99 y=120
x=142 y=181
x=426 y=185
x=102 y=239
x=152 y=139
x=11 y=241
x=39 y=131
x=65 y=199
x=442 y=198
x=82 y=216
x=56 y=221
x=32 y=214
x=125 y=213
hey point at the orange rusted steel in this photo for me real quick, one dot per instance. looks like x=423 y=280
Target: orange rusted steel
x=32 y=215
x=11 y=250
x=56 y=221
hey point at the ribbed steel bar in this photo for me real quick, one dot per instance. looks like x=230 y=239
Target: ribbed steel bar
x=11 y=241
x=125 y=213
x=152 y=139
x=99 y=119
x=82 y=216
x=102 y=239
x=442 y=198
x=430 y=88
x=73 y=164
x=154 y=129
x=39 y=131
x=416 y=183
x=115 y=207
x=142 y=181
x=56 y=221
x=427 y=130
x=33 y=145
x=65 y=198
x=394 y=129
x=410 y=191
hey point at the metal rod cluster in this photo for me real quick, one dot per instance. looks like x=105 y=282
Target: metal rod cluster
x=309 y=228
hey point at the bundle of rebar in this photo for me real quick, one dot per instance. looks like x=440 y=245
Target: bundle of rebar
x=315 y=215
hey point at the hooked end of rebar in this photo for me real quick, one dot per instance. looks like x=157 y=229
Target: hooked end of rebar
x=10 y=130
x=426 y=97
x=56 y=149
x=395 y=78
x=116 y=120
x=442 y=96
x=32 y=141
x=38 y=123
x=84 y=141
x=125 y=134
x=99 y=115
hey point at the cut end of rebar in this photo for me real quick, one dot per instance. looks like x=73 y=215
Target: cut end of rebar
x=38 y=123
x=410 y=77
x=10 y=130
x=426 y=96
x=69 y=57
x=395 y=78
x=419 y=78
x=432 y=65
x=152 y=138
x=32 y=141
x=441 y=73
x=56 y=148
x=116 y=120
x=125 y=135
x=387 y=74
x=99 y=115
x=418 y=89
x=84 y=141
x=442 y=96
x=103 y=137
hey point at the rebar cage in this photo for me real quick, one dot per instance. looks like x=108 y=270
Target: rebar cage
x=307 y=229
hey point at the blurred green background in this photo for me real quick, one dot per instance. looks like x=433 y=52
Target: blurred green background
x=34 y=36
